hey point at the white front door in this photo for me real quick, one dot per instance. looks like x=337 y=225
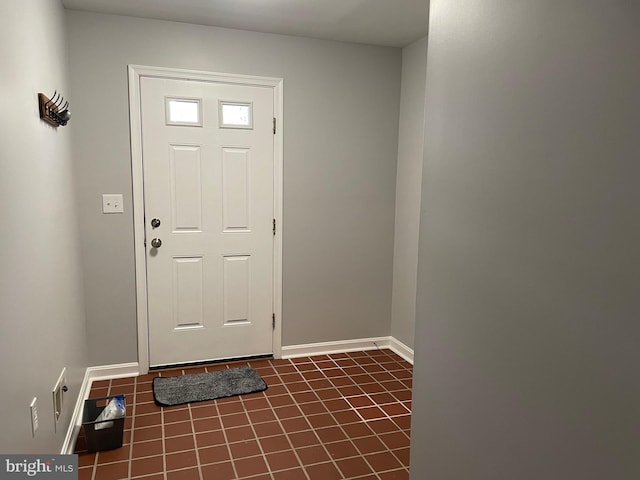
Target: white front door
x=208 y=168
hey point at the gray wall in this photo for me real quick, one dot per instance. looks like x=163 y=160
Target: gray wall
x=340 y=148
x=41 y=311
x=408 y=191
x=527 y=327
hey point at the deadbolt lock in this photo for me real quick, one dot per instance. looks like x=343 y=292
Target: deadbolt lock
x=155 y=223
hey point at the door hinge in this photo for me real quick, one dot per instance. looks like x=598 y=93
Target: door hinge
x=273 y=321
x=274 y=125
x=274 y=226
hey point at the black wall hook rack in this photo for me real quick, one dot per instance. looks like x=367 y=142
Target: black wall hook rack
x=54 y=110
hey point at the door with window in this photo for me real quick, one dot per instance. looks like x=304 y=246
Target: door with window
x=208 y=163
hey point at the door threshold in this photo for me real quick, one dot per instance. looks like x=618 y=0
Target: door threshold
x=210 y=362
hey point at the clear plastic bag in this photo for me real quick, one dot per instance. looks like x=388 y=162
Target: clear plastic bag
x=114 y=409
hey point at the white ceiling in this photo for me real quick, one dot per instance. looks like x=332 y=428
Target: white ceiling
x=394 y=23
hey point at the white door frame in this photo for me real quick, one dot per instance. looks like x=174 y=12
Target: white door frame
x=136 y=72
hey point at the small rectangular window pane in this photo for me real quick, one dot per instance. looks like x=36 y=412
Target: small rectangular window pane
x=235 y=115
x=184 y=111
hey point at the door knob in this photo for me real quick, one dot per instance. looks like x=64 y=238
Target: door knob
x=156 y=243
x=155 y=223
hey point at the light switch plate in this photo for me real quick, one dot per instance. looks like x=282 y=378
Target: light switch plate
x=112 y=203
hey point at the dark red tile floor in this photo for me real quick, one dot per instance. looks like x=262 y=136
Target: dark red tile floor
x=326 y=417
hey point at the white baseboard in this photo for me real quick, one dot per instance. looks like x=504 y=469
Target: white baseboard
x=340 y=346
x=401 y=349
x=343 y=346
x=103 y=372
x=109 y=372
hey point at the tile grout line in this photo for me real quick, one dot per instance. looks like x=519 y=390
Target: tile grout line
x=224 y=434
x=246 y=412
x=164 y=447
x=334 y=359
x=286 y=434
x=278 y=451
x=340 y=425
x=305 y=417
x=133 y=419
x=399 y=429
x=195 y=443
x=376 y=473
x=375 y=434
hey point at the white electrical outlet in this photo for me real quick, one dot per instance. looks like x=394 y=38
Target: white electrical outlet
x=33 y=408
x=112 y=203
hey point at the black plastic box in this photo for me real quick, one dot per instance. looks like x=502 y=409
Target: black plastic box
x=103 y=439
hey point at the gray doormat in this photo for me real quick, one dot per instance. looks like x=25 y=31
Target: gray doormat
x=197 y=387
